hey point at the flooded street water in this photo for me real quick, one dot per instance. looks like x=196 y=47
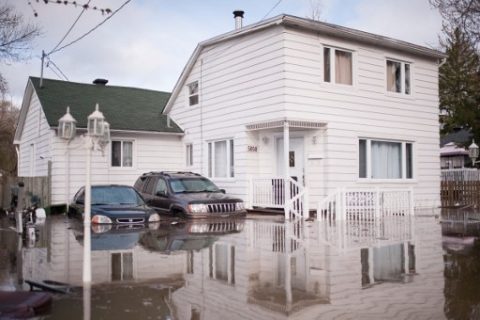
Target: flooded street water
x=393 y=268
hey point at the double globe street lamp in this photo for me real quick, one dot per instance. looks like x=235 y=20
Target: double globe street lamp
x=96 y=138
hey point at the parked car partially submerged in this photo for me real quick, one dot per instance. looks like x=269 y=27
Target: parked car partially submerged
x=187 y=194
x=113 y=204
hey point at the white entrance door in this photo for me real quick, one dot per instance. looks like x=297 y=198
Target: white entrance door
x=295 y=159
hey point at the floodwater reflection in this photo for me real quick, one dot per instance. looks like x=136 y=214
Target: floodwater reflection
x=392 y=268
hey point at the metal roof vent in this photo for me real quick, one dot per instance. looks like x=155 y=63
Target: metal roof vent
x=100 y=82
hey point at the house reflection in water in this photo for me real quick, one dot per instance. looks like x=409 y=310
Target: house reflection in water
x=287 y=270
x=264 y=270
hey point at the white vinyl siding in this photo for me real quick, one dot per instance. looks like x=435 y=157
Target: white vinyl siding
x=152 y=152
x=278 y=73
x=35 y=146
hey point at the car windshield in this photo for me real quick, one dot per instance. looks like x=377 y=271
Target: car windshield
x=115 y=195
x=192 y=185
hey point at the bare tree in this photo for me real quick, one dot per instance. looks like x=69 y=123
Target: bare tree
x=463 y=14
x=316 y=7
x=15 y=35
x=8 y=120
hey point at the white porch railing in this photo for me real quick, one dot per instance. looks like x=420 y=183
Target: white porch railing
x=366 y=204
x=271 y=193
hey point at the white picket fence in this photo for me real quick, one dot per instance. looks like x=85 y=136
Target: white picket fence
x=463 y=174
x=366 y=204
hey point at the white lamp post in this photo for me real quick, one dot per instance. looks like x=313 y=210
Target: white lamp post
x=473 y=152
x=66 y=130
x=98 y=134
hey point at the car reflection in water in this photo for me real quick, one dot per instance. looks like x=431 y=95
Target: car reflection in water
x=160 y=237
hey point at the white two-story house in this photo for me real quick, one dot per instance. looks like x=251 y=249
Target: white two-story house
x=352 y=109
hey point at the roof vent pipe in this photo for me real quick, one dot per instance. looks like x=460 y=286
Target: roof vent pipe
x=100 y=82
x=238 y=15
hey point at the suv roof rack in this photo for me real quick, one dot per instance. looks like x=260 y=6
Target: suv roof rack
x=169 y=173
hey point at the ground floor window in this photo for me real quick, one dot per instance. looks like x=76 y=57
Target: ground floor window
x=221 y=159
x=385 y=159
x=122 y=153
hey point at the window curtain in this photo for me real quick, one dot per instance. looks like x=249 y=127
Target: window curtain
x=386 y=160
x=221 y=159
x=343 y=67
x=394 y=76
x=127 y=153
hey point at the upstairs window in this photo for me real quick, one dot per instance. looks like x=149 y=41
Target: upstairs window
x=398 y=77
x=193 y=93
x=122 y=154
x=337 y=66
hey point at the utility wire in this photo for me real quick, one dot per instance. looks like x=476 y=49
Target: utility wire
x=71 y=28
x=53 y=70
x=91 y=30
x=273 y=8
x=59 y=70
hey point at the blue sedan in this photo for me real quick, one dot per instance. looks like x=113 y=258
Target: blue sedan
x=113 y=204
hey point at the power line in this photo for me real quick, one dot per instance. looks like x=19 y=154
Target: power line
x=71 y=28
x=59 y=70
x=91 y=30
x=58 y=76
x=273 y=8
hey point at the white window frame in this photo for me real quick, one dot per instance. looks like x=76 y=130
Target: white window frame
x=333 y=80
x=402 y=77
x=189 y=154
x=403 y=156
x=211 y=158
x=190 y=94
x=122 y=141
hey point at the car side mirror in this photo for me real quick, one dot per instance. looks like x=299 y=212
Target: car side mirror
x=222 y=190
x=161 y=193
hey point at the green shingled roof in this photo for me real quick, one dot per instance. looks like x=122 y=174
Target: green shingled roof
x=124 y=108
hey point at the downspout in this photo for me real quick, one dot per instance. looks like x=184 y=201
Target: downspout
x=18 y=157
x=200 y=89
x=286 y=164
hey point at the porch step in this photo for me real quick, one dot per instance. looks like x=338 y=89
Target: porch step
x=266 y=211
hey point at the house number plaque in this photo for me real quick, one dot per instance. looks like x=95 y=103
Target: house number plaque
x=252 y=148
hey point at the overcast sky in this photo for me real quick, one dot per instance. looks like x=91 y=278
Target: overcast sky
x=148 y=42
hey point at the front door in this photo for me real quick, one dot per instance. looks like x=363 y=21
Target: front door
x=295 y=159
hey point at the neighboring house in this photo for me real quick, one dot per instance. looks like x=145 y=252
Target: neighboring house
x=453 y=156
x=353 y=109
x=142 y=138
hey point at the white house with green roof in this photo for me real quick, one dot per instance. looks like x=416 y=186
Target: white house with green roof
x=142 y=138
x=316 y=107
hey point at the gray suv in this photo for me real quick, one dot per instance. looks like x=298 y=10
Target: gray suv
x=187 y=194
